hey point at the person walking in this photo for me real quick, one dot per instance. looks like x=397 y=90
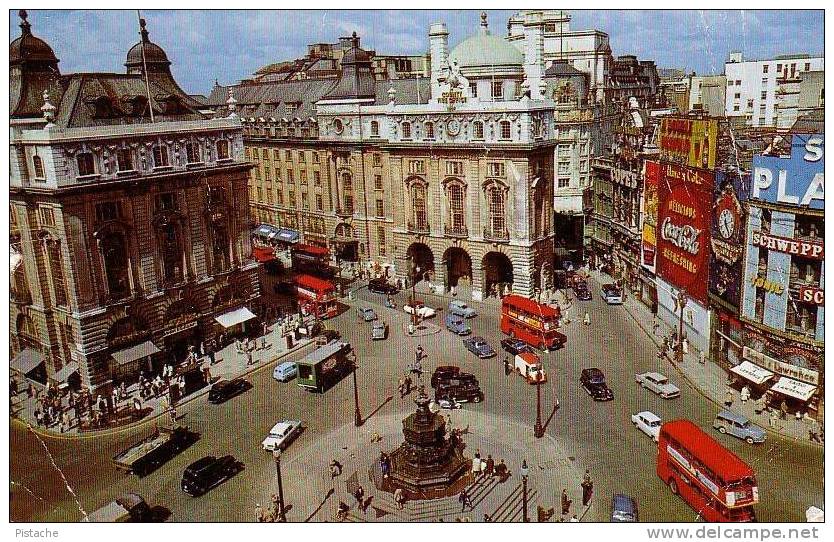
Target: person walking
x=566 y=502
x=587 y=319
x=490 y=466
x=399 y=498
x=359 y=495
x=507 y=366
x=783 y=409
x=728 y=399
x=476 y=466
x=655 y=326
x=335 y=469
x=771 y=421
x=464 y=500
x=587 y=488
x=814 y=431
x=745 y=394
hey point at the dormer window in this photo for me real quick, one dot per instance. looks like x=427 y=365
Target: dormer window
x=140 y=107
x=86 y=164
x=223 y=149
x=37 y=163
x=406 y=127
x=103 y=108
x=124 y=159
x=429 y=130
x=160 y=156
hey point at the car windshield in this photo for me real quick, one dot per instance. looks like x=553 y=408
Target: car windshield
x=623 y=516
x=654 y=423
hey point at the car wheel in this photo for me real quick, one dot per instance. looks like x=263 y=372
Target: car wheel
x=478 y=399
x=722 y=430
x=749 y=440
x=673 y=486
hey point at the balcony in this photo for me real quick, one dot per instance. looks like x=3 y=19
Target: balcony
x=455 y=231
x=496 y=234
x=344 y=212
x=421 y=228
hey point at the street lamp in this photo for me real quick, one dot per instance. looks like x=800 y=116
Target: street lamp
x=282 y=516
x=357 y=415
x=681 y=300
x=524 y=473
x=538 y=429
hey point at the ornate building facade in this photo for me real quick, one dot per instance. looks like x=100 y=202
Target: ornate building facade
x=129 y=209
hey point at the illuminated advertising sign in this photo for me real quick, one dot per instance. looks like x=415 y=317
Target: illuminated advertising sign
x=649 y=249
x=807 y=249
x=688 y=142
x=796 y=180
x=727 y=239
x=683 y=228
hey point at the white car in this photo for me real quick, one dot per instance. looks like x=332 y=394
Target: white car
x=281 y=434
x=659 y=384
x=648 y=422
x=422 y=310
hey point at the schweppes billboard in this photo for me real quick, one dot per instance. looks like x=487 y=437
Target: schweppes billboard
x=689 y=142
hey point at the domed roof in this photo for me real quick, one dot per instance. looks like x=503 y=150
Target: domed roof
x=28 y=48
x=484 y=49
x=155 y=57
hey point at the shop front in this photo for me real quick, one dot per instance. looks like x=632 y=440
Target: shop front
x=131 y=361
x=237 y=322
x=755 y=377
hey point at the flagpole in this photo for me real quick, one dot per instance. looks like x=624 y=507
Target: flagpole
x=144 y=62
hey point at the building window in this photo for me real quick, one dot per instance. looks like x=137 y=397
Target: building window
x=737 y=95
x=563 y=182
x=738 y=82
x=46 y=216
x=37 y=163
x=316 y=179
x=288 y=156
x=302 y=157
x=319 y=202
x=497 y=90
x=86 y=165
x=563 y=168
x=338 y=126
x=192 y=154
x=418 y=203
x=291 y=198
x=113 y=249
x=564 y=150
x=257 y=173
x=736 y=107
x=267 y=174
x=729 y=83
x=374 y=128
x=473 y=88
x=505 y=129
x=315 y=157
x=279 y=197
x=377 y=159
x=260 y=194
x=406 y=128
x=764 y=95
x=429 y=130
x=416 y=166
x=305 y=201
x=495 y=201
x=160 y=156
x=765 y=68
x=290 y=178
x=347 y=192
x=454 y=168
x=303 y=179
x=222 y=149
x=380 y=238
x=108 y=210
x=456 y=209
x=478 y=131
x=166 y=202
x=380 y=208
x=378 y=182
x=496 y=169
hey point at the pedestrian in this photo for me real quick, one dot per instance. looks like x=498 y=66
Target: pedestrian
x=476 y=467
x=38 y=417
x=335 y=469
x=182 y=386
x=359 y=495
x=266 y=332
x=728 y=399
x=587 y=319
x=342 y=512
x=399 y=498
x=587 y=488
x=249 y=358
x=655 y=326
x=490 y=466
x=408 y=383
x=30 y=391
x=771 y=421
x=501 y=471
x=783 y=408
x=66 y=419
x=507 y=366
x=137 y=404
x=383 y=464
x=814 y=431
x=419 y=354
x=173 y=414
x=745 y=394
x=464 y=500
x=401 y=388
x=702 y=358
x=566 y=502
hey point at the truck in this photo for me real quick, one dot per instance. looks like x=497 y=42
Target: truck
x=154 y=450
x=528 y=365
x=325 y=366
x=128 y=507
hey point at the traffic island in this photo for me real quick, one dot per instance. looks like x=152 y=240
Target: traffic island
x=421 y=330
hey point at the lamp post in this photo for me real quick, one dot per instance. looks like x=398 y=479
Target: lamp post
x=681 y=300
x=538 y=429
x=415 y=272
x=524 y=473
x=282 y=516
x=357 y=415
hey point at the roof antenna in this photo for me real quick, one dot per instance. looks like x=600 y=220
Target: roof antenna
x=144 y=33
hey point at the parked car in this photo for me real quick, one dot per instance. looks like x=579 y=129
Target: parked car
x=611 y=294
x=145 y=456
x=624 y=509
x=739 y=426
x=460 y=391
x=367 y=314
x=223 y=390
x=515 y=346
x=479 y=347
x=281 y=434
x=418 y=306
x=457 y=325
x=444 y=372
x=128 y=507
x=647 y=422
x=381 y=286
x=379 y=330
x=593 y=380
x=284 y=372
x=208 y=472
x=460 y=308
x=582 y=292
x=659 y=384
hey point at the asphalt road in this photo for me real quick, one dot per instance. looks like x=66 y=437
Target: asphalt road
x=599 y=436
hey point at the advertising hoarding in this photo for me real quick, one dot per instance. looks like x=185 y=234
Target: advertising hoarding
x=727 y=237
x=649 y=249
x=796 y=180
x=688 y=142
x=684 y=213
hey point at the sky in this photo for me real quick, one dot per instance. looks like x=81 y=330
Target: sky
x=229 y=45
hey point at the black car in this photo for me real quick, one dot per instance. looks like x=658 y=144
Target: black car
x=381 y=286
x=593 y=380
x=515 y=346
x=445 y=374
x=226 y=389
x=462 y=391
x=208 y=472
x=582 y=292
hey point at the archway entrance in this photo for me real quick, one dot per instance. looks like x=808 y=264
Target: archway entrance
x=458 y=266
x=420 y=256
x=345 y=244
x=498 y=274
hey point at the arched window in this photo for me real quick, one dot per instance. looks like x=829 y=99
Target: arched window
x=347 y=192
x=418 y=204
x=478 y=130
x=457 y=216
x=222 y=149
x=495 y=202
x=406 y=127
x=429 y=130
x=86 y=165
x=113 y=248
x=37 y=162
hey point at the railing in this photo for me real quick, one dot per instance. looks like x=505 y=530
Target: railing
x=455 y=231
x=501 y=234
x=419 y=228
x=344 y=211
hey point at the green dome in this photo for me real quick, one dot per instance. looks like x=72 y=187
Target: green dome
x=484 y=50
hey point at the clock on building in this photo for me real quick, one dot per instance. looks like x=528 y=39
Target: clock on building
x=453 y=127
x=726 y=224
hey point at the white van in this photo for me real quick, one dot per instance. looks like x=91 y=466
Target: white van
x=285 y=371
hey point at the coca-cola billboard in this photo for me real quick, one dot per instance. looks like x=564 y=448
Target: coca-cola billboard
x=685 y=197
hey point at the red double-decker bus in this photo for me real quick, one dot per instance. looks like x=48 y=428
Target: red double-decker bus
x=533 y=323
x=710 y=478
x=316 y=296
x=312 y=260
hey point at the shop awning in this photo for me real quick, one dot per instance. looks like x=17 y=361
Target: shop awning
x=133 y=353
x=288 y=236
x=27 y=360
x=233 y=318
x=794 y=388
x=266 y=231
x=752 y=372
x=66 y=372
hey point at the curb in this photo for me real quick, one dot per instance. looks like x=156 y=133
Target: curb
x=702 y=392
x=194 y=396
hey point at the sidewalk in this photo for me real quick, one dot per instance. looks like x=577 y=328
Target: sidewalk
x=709 y=379
x=228 y=364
